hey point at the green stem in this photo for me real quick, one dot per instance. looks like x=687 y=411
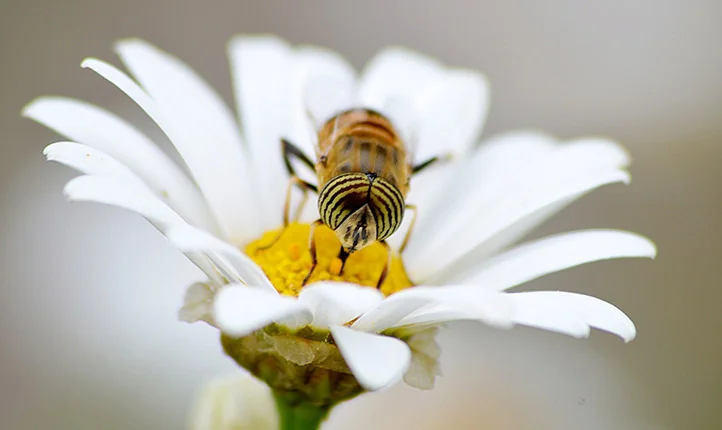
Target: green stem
x=299 y=416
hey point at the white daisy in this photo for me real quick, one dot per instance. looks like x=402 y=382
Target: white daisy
x=460 y=257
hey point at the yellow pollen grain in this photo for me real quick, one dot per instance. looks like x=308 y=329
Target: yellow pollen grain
x=294 y=251
x=335 y=267
x=288 y=261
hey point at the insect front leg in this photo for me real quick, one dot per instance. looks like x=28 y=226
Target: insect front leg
x=289 y=151
x=385 y=270
x=312 y=249
x=297 y=182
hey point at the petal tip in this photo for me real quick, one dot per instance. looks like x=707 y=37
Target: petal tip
x=30 y=109
x=122 y=45
x=630 y=337
x=652 y=249
x=266 y=41
x=89 y=62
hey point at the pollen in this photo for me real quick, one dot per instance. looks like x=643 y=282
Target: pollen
x=287 y=261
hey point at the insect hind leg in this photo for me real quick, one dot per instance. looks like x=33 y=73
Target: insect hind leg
x=407 y=236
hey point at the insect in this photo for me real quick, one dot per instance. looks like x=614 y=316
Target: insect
x=363 y=172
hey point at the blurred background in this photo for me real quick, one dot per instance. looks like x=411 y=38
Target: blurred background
x=89 y=336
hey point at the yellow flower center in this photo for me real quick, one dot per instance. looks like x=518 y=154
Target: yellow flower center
x=288 y=260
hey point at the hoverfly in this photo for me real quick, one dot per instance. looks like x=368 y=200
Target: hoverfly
x=363 y=170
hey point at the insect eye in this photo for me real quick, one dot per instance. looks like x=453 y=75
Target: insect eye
x=388 y=207
x=341 y=197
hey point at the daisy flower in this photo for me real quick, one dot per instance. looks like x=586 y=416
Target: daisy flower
x=338 y=335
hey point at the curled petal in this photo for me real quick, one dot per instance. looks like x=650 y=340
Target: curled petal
x=198 y=304
x=191 y=239
x=125 y=194
x=239 y=310
x=336 y=303
x=376 y=361
x=425 y=353
x=570 y=313
x=90 y=161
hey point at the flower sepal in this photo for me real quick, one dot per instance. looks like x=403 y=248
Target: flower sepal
x=303 y=366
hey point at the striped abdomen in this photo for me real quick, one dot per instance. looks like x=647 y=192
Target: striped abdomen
x=361 y=208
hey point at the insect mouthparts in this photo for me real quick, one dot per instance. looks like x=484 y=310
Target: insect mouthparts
x=360 y=235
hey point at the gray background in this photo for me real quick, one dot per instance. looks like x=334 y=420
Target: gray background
x=88 y=335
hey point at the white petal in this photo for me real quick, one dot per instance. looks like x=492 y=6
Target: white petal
x=554 y=253
x=489 y=307
x=376 y=361
x=261 y=70
x=235 y=403
x=128 y=195
x=513 y=170
x=425 y=354
x=461 y=302
x=551 y=317
x=395 y=72
x=210 y=138
x=239 y=310
x=225 y=255
x=89 y=161
x=137 y=198
x=336 y=303
x=198 y=304
x=504 y=215
x=487 y=172
x=450 y=114
x=390 y=311
x=571 y=314
x=95 y=127
x=433 y=315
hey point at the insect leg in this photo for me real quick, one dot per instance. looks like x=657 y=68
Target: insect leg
x=289 y=150
x=423 y=165
x=303 y=186
x=312 y=249
x=343 y=256
x=385 y=270
x=407 y=236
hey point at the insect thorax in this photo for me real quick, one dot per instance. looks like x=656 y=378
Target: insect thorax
x=361 y=204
